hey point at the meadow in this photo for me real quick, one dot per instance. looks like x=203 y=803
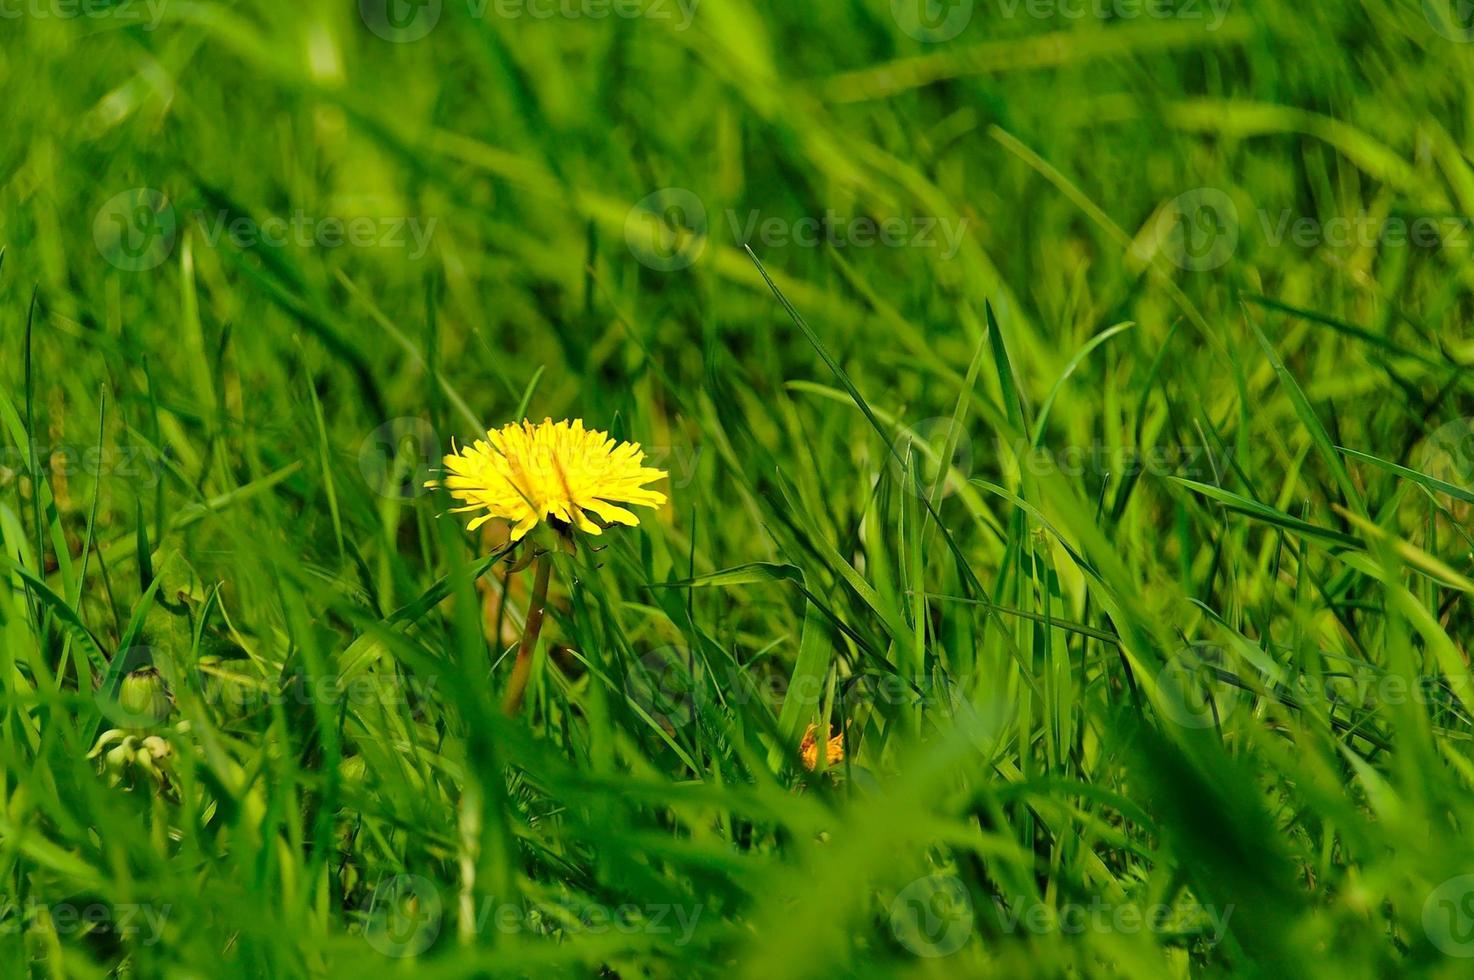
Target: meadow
x=1068 y=439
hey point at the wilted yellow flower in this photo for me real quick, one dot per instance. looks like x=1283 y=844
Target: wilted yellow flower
x=525 y=473
x=149 y=755
x=808 y=749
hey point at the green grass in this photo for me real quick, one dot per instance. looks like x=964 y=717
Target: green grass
x=1087 y=439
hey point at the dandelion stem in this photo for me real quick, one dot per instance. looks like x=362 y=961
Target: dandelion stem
x=522 y=669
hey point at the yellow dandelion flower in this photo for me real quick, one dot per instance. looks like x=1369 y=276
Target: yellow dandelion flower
x=808 y=749
x=525 y=473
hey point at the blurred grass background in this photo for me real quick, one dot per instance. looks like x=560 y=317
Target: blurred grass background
x=1106 y=496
